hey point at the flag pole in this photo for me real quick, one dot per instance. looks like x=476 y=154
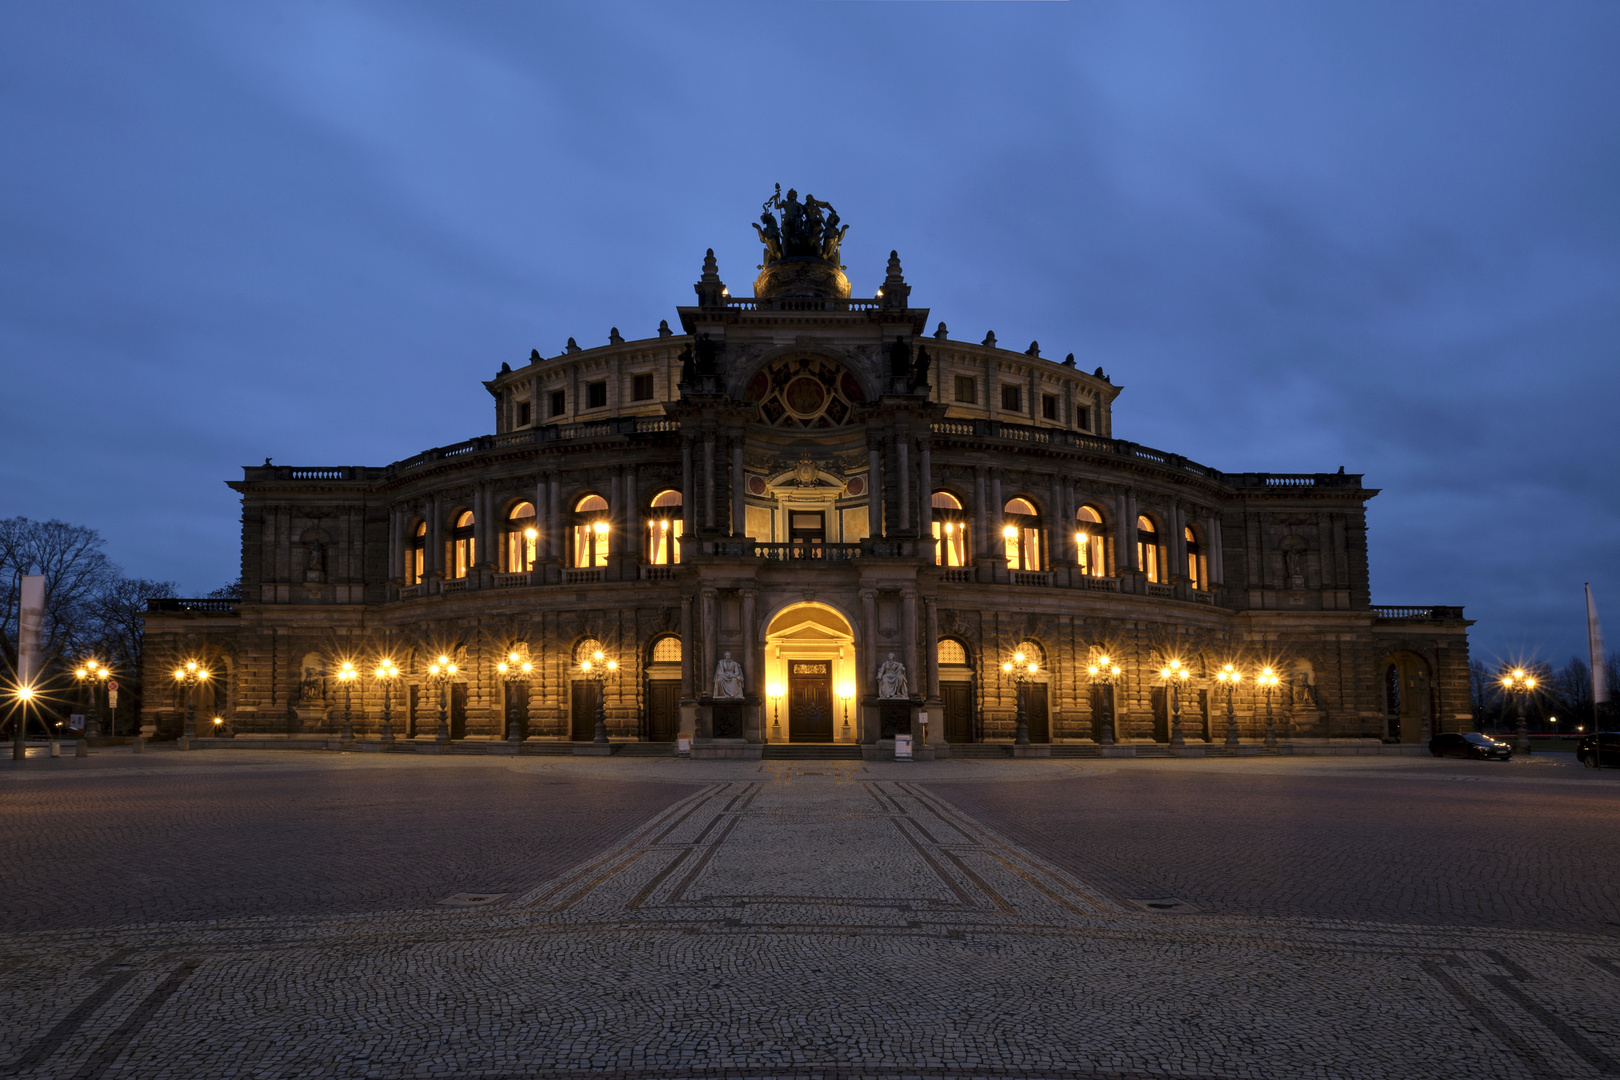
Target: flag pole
x=1600 y=679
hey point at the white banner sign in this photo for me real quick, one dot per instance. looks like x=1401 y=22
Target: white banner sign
x=30 y=627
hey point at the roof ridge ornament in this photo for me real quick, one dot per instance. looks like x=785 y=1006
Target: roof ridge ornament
x=802 y=242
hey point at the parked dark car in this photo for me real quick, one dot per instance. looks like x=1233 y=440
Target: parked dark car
x=1470 y=744
x=1607 y=743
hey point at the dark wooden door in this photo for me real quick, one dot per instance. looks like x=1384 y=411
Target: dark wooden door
x=458 y=710
x=1161 y=715
x=1205 y=716
x=663 y=710
x=810 y=707
x=584 y=710
x=517 y=709
x=957 y=699
x=413 y=712
x=1035 y=718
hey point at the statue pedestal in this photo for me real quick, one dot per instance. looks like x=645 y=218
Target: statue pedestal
x=311 y=715
x=727 y=729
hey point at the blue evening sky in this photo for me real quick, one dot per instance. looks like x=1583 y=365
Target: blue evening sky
x=1383 y=236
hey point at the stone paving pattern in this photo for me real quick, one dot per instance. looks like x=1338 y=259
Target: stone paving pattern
x=807 y=920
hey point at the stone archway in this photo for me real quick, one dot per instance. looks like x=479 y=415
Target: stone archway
x=810 y=675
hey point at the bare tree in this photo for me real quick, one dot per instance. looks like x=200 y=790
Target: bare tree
x=75 y=569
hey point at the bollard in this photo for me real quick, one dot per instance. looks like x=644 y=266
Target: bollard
x=82 y=748
x=56 y=748
x=140 y=745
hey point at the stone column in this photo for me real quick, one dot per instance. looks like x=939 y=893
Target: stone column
x=1060 y=528
x=435 y=537
x=870 y=633
x=687 y=655
x=708 y=487
x=981 y=520
x=633 y=540
x=558 y=543
x=1178 y=542
x=995 y=545
x=902 y=459
x=931 y=645
x=908 y=629
x=1217 y=558
x=925 y=497
x=1124 y=552
x=688 y=494
x=739 y=515
x=396 y=554
x=753 y=681
x=874 y=483
x=542 y=520
x=706 y=676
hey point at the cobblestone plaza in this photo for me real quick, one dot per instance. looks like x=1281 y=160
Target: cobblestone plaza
x=253 y=913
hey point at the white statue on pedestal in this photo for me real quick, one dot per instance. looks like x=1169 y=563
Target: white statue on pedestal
x=891 y=679
x=728 y=679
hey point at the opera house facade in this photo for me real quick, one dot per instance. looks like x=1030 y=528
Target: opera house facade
x=805 y=518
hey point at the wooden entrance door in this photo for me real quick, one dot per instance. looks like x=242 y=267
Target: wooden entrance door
x=458 y=710
x=1161 y=715
x=957 y=698
x=663 y=709
x=1035 y=718
x=584 y=710
x=810 y=705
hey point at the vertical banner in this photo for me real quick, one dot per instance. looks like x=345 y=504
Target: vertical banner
x=1594 y=645
x=30 y=624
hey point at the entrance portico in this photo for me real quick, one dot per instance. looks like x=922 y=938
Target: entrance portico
x=810 y=656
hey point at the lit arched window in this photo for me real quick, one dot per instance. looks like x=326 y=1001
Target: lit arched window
x=1032 y=653
x=586 y=650
x=1147 y=549
x=1022 y=532
x=462 y=553
x=416 y=558
x=1088 y=542
x=1197 y=561
x=950 y=531
x=520 y=537
x=952 y=652
x=667 y=650
x=591 y=532
x=664 y=529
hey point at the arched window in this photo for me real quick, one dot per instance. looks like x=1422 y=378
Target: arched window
x=950 y=531
x=586 y=650
x=462 y=553
x=416 y=557
x=1197 y=560
x=664 y=529
x=520 y=537
x=591 y=532
x=1147 y=549
x=1021 y=530
x=1088 y=542
x=1033 y=653
x=952 y=652
x=666 y=650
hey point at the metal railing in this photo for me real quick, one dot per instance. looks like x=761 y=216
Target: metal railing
x=1399 y=613
x=206 y=604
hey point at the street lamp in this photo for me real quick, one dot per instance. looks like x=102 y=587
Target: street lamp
x=1173 y=676
x=191 y=675
x=1103 y=673
x=513 y=670
x=1229 y=677
x=19 y=734
x=599 y=670
x=346 y=675
x=1268 y=681
x=1023 y=673
x=386 y=674
x=442 y=671
x=1521 y=686
x=88 y=674
x=847 y=692
x=774 y=692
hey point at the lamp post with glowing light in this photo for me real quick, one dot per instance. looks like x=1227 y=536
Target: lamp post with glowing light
x=774 y=692
x=1521 y=685
x=514 y=670
x=1173 y=675
x=1229 y=677
x=442 y=671
x=346 y=676
x=191 y=675
x=23 y=697
x=1103 y=673
x=88 y=675
x=599 y=670
x=1022 y=670
x=847 y=692
x=1268 y=681
x=386 y=673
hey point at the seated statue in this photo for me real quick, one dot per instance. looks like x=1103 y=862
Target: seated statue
x=891 y=678
x=728 y=679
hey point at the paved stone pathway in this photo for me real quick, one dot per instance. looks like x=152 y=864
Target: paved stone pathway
x=807 y=920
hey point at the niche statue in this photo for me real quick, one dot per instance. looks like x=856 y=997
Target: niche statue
x=891 y=679
x=728 y=679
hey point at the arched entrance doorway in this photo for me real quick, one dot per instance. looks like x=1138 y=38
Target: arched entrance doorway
x=810 y=675
x=1407 y=692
